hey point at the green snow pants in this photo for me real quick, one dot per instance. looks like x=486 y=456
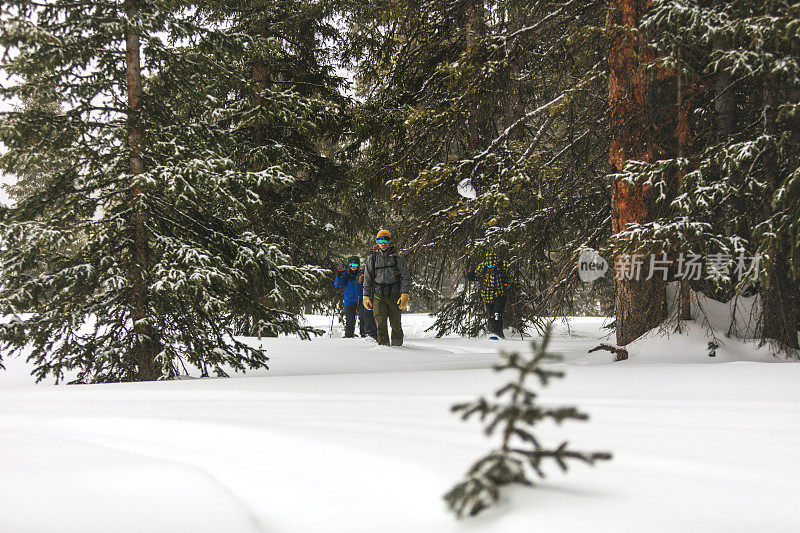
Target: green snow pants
x=384 y=307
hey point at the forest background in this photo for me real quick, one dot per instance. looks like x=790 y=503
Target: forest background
x=186 y=171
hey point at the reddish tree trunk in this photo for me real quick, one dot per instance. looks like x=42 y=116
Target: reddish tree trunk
x=640 y=303
x=145 y=343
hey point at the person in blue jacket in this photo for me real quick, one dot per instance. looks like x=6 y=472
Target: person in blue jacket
x=350 y=281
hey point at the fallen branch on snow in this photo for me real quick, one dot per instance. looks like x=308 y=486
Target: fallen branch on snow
x=621 y=353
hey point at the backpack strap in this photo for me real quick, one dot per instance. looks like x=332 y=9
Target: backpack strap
x=395 y=267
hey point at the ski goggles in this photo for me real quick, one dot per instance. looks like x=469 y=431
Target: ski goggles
x=353 y=265
x=382 y=240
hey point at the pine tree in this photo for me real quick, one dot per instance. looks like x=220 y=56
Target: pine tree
x=514 y=413
x=640 y=303
x=38 y=166
x=159 y=249
x=258 y=91
x=731 y=191
x=508 y=98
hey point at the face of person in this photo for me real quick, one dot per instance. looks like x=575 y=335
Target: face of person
x=383 y=244
x=353 y=267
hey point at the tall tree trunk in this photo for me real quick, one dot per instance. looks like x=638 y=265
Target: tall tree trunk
x=781 y=296
x=480 y=110
x=794 y=97
x=682 y=134
x=640 y=303
x=725 y=109
x=145 y=343
x=257 y=285
x=512 y=107
x=724 y=104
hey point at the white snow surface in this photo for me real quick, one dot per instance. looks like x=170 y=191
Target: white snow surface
x=341 y=435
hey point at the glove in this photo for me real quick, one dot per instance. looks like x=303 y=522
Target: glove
x=368 y=302
x=402 y=303
x=361 y=278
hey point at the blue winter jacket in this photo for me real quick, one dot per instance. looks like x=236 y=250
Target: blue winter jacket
x=352 y=288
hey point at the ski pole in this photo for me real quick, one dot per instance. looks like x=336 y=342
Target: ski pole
x=333 y=313
x=468 y=299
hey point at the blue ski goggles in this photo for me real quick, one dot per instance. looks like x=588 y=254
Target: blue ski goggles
x=353 y=265
x=382 y=240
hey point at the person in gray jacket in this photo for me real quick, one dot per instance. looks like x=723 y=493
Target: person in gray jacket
x=386 y=285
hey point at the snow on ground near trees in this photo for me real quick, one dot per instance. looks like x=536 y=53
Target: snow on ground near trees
x=343 y=436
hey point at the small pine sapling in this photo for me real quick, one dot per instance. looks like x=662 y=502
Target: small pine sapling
x=514 y=413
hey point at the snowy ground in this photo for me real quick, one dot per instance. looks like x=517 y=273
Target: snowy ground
x=343 y=436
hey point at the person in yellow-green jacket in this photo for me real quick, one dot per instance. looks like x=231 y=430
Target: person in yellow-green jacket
x=387 y=282
x=497 y=280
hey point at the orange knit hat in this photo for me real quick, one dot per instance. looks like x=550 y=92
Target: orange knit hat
x=383 y=233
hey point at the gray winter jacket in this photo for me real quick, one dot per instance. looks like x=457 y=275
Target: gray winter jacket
x=386 y=273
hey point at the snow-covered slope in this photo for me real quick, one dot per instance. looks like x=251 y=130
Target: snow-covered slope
x=343 y=436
